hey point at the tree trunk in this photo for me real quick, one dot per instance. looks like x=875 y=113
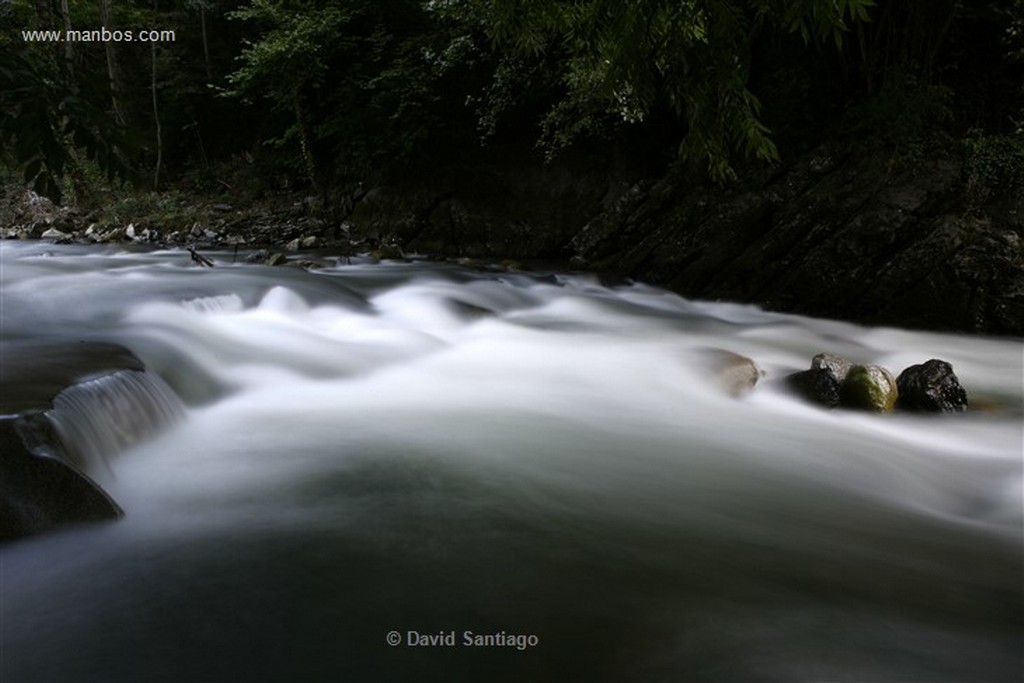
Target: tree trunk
x=306 y=141
x=206 y=44
x=112 y=73
x=156 y=109
x=69 y=53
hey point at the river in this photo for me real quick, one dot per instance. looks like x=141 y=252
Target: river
x=513 y=476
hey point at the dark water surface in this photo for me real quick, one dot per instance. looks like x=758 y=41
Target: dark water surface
x=539 y=459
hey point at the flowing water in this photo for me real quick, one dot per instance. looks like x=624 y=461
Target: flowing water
x=540 y=459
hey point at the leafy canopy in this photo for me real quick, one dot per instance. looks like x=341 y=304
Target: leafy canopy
x=48 y=119
x=620 y=61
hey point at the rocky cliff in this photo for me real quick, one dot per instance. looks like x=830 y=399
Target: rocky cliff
x=835 y=234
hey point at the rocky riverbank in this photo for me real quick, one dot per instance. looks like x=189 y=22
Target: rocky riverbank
x=937 y=244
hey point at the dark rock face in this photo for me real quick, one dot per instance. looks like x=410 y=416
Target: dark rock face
x=931 y=387
x=36 y=371
x=509 y=206
x=832 y=236
x=41 y=492
x=817 y=385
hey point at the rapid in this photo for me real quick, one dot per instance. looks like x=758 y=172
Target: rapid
x=421 y=447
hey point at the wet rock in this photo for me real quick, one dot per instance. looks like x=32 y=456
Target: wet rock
x=309 y=242
x=821 y=383
x=836 y=365
x=277 y=259
x=931 y=387
x=467 y=262
x=40 y=493
x=258 y=256
x=293 y=245
x=113 y=235
x=468 y=311
x=817 y=385
x=387 y=252
x=869 y=387
x=736 y=375
x=40 y=489
x=308 y=264
x=56 y=235
x=34 y=372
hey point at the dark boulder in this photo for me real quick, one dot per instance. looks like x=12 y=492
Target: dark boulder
x=40 y=488
x=821 y=383
x=817 y=385
x=931 y=387
x=35 y=371
x=42 y=492
x=838 y=366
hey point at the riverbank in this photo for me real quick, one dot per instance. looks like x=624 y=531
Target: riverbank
x=936 y=243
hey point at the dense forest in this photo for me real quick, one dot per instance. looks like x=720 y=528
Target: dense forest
x=244 y=101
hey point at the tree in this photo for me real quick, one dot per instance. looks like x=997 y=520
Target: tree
x=106 y=20
x=290 y=63
x=353 y=76
x=617 y=62
x=44 y=118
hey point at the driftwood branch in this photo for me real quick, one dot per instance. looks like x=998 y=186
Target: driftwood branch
x=199 y=258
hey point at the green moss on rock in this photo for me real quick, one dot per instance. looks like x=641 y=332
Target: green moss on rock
x=869 y=387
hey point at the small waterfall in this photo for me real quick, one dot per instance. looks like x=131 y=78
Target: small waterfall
x=100 y=417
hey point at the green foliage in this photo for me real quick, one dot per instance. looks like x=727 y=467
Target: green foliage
x=295 y=50
x=993 y=166
x=358 y=80
x=362 y=91
x=47 y=121
x=617 y=63
x=905 y=117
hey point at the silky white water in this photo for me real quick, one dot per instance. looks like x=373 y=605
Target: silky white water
x=422 y=448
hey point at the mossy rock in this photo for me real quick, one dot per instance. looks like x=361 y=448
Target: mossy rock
x=869 y=387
